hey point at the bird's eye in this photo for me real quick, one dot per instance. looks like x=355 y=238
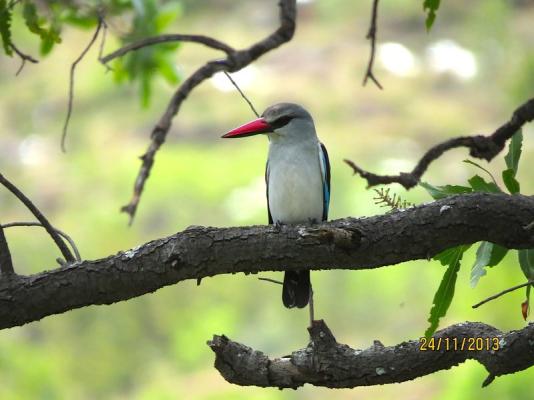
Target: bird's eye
x=280 y=122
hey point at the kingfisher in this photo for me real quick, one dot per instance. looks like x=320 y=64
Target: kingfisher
x=297 y=177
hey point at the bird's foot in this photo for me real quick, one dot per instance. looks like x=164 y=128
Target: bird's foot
x=278 y=226
x=311 y=306
x=312 y=221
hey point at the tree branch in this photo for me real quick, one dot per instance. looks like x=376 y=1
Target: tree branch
x=71 y=79
x=327 y=363
x=484 y=147
x=23 y=57
x=236 y=60
x=503 y=292
x=198 y=252
x=6 y=263
x=40 y=217
x=60 y=233
x=371 y=35
x=151 y=41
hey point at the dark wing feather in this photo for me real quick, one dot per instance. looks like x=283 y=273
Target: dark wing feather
x=267 y=192
x=325 y=166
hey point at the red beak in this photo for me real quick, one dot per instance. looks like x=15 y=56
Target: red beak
x=250 y=128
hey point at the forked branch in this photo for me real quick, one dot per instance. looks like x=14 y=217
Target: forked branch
x=235 y=60
x=371 y=36
x=40 y=217
x=484 y=147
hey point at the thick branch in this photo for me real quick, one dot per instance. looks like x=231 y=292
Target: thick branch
x=235 y=61
x=327 y=363
x=198 y=252
x=485 y=147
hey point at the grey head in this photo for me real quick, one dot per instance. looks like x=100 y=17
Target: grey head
x=290 y=122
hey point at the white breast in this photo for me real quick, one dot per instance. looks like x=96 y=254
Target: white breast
x=295 y=184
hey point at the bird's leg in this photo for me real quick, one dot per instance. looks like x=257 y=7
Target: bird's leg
x=278 y=226
x=312 y=311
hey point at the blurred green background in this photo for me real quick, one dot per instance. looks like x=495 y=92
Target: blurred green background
x=464 y=77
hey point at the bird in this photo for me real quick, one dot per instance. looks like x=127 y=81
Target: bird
x=297 y=177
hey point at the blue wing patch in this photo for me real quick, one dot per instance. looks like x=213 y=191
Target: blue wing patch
x=325 y=169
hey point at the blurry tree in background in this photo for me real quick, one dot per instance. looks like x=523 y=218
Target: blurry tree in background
x=472 y=69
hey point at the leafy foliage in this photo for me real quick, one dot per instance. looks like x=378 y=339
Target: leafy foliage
x=478 y=184
x=440 y=192
x=445 y=293
x=5 y=27
x=488 y=254
x=49 y=36
x=431 y=6
x=512 y=162
x=525 y=306
x=148 y=18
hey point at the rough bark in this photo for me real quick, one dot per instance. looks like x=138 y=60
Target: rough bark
x=327 y=363
x=415 y=233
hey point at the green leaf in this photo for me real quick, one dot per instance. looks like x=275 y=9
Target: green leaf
x=480 y=185
x=445 y=292
x=146 y=89
x=508 y=177
x=49 y=36
x=497 y=254
x=167 y=14
x=440 y=192
x=488 y=254
x=432 y=6
x=5 y=27
x=168 y=70
x=526 y=261
x=449 y=255
x=483 y=258
x=480 y=167
x=79 y=18
x=514 y=152
x=29 y=12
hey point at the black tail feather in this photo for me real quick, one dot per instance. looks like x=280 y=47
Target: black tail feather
x=297 y=288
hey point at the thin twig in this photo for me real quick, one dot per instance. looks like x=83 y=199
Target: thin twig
x=495 y=296
x=40 y=217
x=483 y=147
x=271 y=280
x=61 y=233
x=71 y=81
x=235 y=61
x=24 y=57
x=103 y=42
x=6 y=263
x=467 y=161
x=174 y=37
x=242 y=94
x=371 y=35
